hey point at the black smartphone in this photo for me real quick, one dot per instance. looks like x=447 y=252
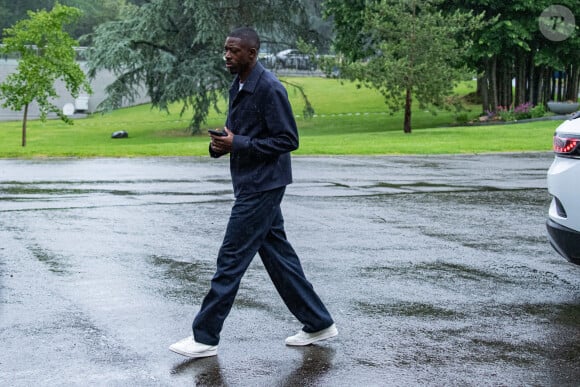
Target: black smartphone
x=217 y=132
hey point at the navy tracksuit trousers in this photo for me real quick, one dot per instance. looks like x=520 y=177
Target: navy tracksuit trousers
x=255 y=226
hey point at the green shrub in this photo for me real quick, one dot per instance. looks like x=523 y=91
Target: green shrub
x=462 y=118
x=505 y=114
x=538 y=111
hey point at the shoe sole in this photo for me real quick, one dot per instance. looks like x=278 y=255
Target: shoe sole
x=324 y=336
x=209 y=353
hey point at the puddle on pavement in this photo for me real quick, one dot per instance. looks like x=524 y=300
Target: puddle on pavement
x=422 y=184
x=188 y=280
x=32 y=190
x=436 y=268
x=482 y=196
x=437 y=272
x=493 y=218
x=246 y=302
x=489 y=350
x=55 y=264
x=406 y=309
x=15 y=188
x=450 y=276
x=564 y=314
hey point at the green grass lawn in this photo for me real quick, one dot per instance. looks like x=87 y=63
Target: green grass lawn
x=348 y=120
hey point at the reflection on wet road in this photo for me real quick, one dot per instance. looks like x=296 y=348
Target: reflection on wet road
x=437 y=271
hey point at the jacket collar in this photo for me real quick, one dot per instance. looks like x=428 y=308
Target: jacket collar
x=251 y=82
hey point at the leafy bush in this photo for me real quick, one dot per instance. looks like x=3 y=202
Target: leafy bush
x=505 y=114
x=538 y=111
x=462 y=118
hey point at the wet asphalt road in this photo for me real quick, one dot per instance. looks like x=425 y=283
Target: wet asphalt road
x=436 y=269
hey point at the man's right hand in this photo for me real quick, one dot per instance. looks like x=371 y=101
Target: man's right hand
x=222 y=144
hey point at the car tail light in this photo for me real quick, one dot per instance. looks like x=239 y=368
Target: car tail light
x=567 y=145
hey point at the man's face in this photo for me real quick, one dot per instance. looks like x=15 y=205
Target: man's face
x=239 y=57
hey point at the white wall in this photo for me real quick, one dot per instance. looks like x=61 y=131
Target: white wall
x=101 y=81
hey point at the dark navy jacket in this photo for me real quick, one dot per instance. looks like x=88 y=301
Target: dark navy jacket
x=261 y=118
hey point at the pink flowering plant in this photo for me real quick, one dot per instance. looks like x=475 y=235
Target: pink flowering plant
x=520 y=112
x=523 y=111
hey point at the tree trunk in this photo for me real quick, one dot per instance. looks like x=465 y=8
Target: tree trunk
x=548 y=85
x=408 y=103
x=532 y=92
x=531 y=80
x=484 y=93
x=493 y=83
x=540 y=87
x=560 y=86
x=501 y=84
x=553 y=86
x=24 y=118
x=506 y=83
x=576 y=85
x=572 y=83
x=408 y=97
x=521 y=81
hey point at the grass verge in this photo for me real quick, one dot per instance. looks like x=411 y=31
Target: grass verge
x=348 y=121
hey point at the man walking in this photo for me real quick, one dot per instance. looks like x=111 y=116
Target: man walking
x=259 y=135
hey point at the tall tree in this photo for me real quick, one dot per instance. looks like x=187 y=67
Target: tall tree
x=514 y=49
x=173 y=48
x=93 y=12
x=405 y=49
x=46 y=54
x=13 y=11
x=348 y=18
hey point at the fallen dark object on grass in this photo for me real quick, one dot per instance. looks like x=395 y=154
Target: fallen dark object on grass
x=120 y=134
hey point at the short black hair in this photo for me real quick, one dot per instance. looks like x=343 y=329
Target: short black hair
x=248 y=35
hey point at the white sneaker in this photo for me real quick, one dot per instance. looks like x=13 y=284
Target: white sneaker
x=304 y=338
x=191 y=348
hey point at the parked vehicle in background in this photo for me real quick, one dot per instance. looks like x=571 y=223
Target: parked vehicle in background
x=267 y=59
x=563 y=223
x=294 y=59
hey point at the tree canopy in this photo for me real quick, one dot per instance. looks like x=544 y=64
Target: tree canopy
x=514 y=48
x=46 y=54
x=405 y=49
x=93 y=12
x=174 y=49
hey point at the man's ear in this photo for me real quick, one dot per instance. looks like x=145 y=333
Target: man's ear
x=254 y=52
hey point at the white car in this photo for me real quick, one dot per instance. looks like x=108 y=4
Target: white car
x=564 y=185
x=294 y=59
